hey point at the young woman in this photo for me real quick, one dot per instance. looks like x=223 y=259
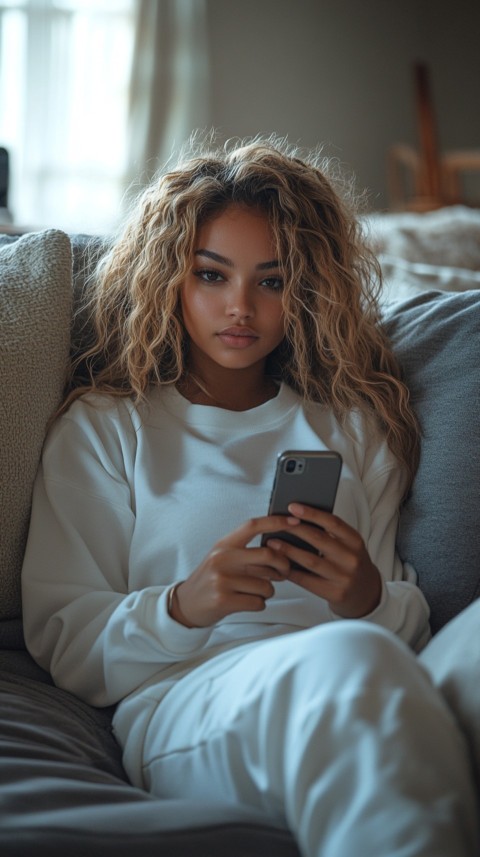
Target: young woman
x=235 y=318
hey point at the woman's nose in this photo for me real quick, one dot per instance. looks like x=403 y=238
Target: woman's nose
x=240 y=302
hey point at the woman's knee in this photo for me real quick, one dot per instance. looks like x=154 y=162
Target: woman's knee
x=356 y=651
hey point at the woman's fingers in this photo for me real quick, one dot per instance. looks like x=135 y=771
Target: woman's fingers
x=324 y=544
x=330 y=524
x=252 y=562
x=253 y=585
x=256 y=527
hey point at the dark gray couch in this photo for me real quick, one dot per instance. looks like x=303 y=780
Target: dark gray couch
x=63 y=790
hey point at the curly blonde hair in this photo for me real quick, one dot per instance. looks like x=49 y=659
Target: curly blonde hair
x=334 y=350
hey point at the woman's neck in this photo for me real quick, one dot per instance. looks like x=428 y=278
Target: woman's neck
x=233 y=394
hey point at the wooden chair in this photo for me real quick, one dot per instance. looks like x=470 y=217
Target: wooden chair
x=425 y=179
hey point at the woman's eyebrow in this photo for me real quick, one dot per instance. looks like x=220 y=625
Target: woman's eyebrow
x=216 y=257
x=266 y=266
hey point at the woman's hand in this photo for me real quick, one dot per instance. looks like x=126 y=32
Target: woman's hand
x=340 y=571
x=233 y=577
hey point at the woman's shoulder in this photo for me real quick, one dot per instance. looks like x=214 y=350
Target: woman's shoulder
x=98 y=401
x=97 y=408
x=95 y=428
x=95 y=419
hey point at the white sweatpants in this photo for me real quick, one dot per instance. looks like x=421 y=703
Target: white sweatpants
x=335 y=732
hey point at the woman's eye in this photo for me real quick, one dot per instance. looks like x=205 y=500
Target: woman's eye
x=273 y=283
x=208 y=276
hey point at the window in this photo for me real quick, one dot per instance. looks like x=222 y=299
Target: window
x=65 y=68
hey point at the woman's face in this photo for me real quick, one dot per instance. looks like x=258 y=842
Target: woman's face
x=232 y=297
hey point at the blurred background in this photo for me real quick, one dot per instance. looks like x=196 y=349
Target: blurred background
x=95 y=95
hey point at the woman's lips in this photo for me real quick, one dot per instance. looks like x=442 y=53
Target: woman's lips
x=237 y=337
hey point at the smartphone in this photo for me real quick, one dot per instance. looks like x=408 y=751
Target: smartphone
x=304 y=477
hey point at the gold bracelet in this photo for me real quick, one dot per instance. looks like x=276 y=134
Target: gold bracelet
x=171 y=596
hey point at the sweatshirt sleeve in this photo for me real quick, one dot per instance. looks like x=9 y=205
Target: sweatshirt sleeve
x=98 y=639
x=403 y=608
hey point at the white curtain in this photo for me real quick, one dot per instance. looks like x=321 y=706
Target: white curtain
x=94 y=95
x=169 y=92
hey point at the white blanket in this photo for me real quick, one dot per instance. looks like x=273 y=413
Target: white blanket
x=438 y=250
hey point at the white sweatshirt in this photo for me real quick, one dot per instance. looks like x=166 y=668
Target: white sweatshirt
x=128 y=500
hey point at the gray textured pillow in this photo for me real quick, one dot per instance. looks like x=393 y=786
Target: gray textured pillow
x=436 y=336
x=35 y=313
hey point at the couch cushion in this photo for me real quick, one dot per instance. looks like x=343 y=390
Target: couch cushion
x=436 y=336
x=63 y=791
x=35 y=313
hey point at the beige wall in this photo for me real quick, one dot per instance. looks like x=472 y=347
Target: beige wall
x=339 y=72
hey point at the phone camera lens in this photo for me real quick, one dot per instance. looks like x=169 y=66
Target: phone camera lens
x=290 y=465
